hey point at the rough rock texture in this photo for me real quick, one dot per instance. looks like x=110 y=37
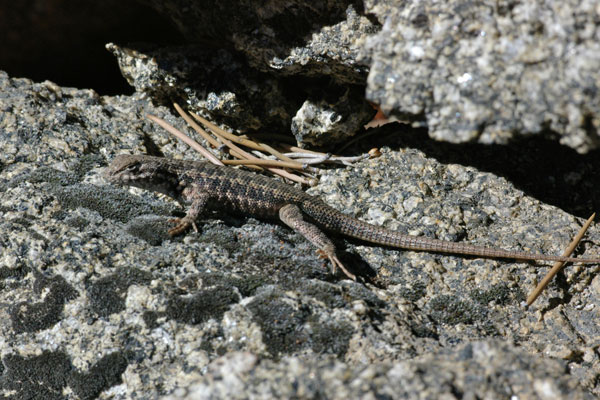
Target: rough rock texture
x=462 y=372
x=489 y=70
x=255 y=67
x=486 y=71
x=299 y=38
x=221 y=87
x=211 y=81
x=318 y=122
x=97 y=301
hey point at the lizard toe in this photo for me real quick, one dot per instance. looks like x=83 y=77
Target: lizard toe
x=181 y=225
x=335 y=262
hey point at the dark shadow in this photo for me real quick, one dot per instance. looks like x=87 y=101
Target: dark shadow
x=64 y=40
x=265 y=26
x=357 y=265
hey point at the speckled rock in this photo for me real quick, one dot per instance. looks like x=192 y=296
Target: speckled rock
x=489 y=71
x=463 y=372
x=213 y=83
x=223 y=88
x=272 y=60
x=324 y=121
x=98 y=302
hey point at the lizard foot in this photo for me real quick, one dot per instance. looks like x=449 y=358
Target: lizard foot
x=336 y=263
x=292 y=216
x=182 y=225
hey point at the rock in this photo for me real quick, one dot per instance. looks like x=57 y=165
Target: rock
x=283 y=57
x=487 y=369
x=99 y=301
x=489 y=73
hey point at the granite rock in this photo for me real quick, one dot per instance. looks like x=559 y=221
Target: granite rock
x=255 y=68
x=489 y=71
x=463 y=372
x=98 y=302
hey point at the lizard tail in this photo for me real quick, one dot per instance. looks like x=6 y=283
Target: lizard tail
x=333 y=220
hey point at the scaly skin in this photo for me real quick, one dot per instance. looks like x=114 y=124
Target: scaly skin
x=203 y=186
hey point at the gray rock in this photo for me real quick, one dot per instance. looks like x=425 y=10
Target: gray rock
x=489 y=72
x=213 y=83
x=476 y=370
x=97 y=301
x=470 y=73
x=322 y=122
x=283 y=57
x=300 y=38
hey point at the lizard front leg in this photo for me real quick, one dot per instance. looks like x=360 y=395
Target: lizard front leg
x=291 y=215
x=198 y=203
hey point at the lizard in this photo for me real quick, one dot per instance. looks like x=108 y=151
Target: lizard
x=205 y=186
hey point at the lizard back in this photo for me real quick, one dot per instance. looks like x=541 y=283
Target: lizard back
x=226 y=189
x=239 y=191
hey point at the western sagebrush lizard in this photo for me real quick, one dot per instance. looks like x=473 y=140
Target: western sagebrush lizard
x=203 y=185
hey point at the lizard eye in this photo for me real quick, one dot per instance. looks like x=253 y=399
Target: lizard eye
x=130 y=168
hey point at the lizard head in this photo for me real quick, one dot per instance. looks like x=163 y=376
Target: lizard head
x=146 y=172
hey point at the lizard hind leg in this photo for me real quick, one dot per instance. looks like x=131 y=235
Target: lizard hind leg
x=291 y=215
